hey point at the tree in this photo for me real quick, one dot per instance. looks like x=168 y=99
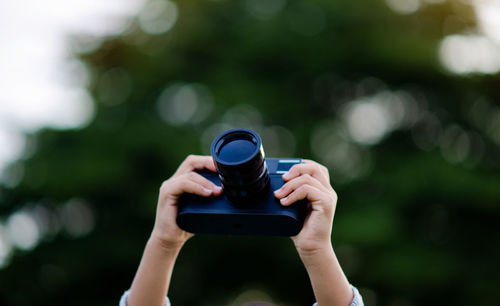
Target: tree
x=412 y=150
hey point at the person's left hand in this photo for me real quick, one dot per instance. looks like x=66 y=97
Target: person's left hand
x=310 y=181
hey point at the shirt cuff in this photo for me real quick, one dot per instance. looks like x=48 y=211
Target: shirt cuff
x=123 y=300
x=357 y=300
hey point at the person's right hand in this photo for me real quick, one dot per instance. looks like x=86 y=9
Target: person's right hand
x=184 y=180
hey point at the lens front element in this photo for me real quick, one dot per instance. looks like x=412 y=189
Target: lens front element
x=239 y=159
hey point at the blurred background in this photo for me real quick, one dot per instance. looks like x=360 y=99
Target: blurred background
x=101 y=100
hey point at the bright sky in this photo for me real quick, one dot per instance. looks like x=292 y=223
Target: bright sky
x=42 y=85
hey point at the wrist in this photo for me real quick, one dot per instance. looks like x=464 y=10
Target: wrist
x=311 y=246
x=318 y=255
x=164 y=245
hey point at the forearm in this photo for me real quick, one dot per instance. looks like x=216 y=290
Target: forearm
x=329 y=283
x=150 y=285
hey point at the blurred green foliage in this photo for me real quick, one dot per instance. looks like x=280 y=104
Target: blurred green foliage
x=417 y=225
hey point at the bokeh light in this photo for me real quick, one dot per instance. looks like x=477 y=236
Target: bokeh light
x=78 y=218
x=22 y=230
x=477 y=51
x=184 y=103
x=264 y=9
x=455 y=144
x=470 y=53
x=27 y=227
x=404 y=6
x=243 y=115
x=332 y=146
x=253 y=297
x=488 y=13
x=278 y=141
x=158 y=16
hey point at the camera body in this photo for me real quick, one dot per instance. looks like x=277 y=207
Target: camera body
x=248 y=205
x=266 y=216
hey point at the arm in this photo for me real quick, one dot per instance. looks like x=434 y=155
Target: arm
x=311 y=181
x=151 y=282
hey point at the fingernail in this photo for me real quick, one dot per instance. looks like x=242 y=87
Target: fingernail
x=277 y=192
x=207 y=191
x=286 y=175
x=217 y=189
x=284 y=200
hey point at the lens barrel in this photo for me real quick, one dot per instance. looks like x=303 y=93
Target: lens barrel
x=240 y=162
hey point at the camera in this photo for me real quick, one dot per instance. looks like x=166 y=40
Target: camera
x=247 y=205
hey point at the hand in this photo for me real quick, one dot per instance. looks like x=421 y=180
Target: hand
x=311 y=181
x=184 y=180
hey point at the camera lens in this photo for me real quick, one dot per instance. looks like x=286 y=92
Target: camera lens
x=239 y=158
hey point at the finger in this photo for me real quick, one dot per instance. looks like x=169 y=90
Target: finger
x=176 y=187
x=312 y=168
x=295 y=183
x=320 y=166
x=199 y=162
x=197 y=178
x=312 y=194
